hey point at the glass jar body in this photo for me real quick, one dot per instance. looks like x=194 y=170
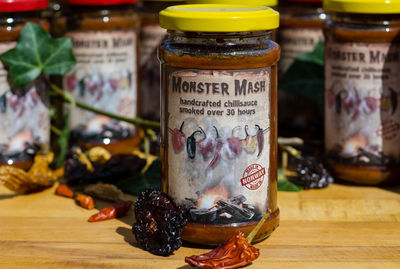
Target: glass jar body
x=105 y=45
x=362 y=127
x=218 y=118
x=24 y=111
x=300 y=31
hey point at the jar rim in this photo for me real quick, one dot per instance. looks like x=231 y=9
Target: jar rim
x=100 y=2
x=267 y=3
x=219 y=18
x=363 y=6
x=22 y=5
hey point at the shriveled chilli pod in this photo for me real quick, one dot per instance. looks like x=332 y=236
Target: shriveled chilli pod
x=260 y=140
x=64 y=190
x=117 y=210
x=236 y=252
x=85 y=201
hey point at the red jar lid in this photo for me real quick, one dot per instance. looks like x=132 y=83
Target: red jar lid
x=22 y=5
x=100 y=2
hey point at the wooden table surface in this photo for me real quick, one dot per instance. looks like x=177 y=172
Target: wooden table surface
x=339 y=227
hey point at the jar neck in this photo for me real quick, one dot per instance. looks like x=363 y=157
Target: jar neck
x=364 y=20
x=223 y=38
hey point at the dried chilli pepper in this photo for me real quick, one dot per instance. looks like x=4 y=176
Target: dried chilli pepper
x=191 y=145
x=85 y=201
x=64 y=190
x=218 y=148
x=235 y=253
x=260 y=140
x=250 y=142
x=206 y=146
x=116 y=210
x=178 y=138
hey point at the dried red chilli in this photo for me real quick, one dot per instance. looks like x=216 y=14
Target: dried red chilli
x=235 y=253
x=178 y=138
x=217 y=154
x=117 y=210
x=64 y=190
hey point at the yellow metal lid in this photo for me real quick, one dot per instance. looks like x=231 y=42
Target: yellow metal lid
x=219 y=18
x=363 y=6
x=267 y=3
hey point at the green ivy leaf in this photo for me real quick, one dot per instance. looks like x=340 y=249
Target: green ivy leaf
x=37 y=52
x=305 y=76
x=285 y=185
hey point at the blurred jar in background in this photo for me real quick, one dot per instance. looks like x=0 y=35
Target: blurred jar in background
x=362 y=88
x=300 y=113
x=24 y=111
x=151 y=37
x=104 y=34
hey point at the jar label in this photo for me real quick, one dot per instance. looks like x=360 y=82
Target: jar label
x=105 y=78
x=218 y=143
x=295 y=41
x=24 y=116
x=362 y=118
x=150 y=39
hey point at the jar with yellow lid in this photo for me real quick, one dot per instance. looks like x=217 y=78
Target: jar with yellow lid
x=151 y=36
x=219 y=118
x=24 y=111
x=300 y=29
x=104 y=35
x=362 y=89
x=267 y=3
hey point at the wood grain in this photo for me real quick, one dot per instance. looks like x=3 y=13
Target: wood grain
x=339 y=227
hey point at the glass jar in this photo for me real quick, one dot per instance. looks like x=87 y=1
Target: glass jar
x=151 y=37
x=24 y=111
x=104 y=34
x=299 y=32
x=362 y=117
x=218 y=118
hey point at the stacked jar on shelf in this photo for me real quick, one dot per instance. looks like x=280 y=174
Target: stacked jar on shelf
x=362 y=89
x=104 y=34
x=24 y=111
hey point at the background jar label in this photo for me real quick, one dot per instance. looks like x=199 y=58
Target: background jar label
x=362 y=118
x=218 y=142
x=104 y=77
x=24 y=115
x=295 y=41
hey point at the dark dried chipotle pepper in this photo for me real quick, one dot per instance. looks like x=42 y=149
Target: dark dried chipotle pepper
x=159 y=223
x=235 y=253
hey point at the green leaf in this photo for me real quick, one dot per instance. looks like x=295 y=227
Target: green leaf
x=305 y=76
x=63 y=141
x=285 y=185
x=150 y=179
x=37 y=52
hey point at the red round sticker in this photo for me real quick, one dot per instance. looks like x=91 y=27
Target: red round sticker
x=253 y=176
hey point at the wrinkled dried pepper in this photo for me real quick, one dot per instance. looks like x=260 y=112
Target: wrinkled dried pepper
x=117 y=210
x=235 y=146
x=250 y=142
x=65 y=191
x=218 y=148
x=178 y=138
x=85 y=201
x=235 y=253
